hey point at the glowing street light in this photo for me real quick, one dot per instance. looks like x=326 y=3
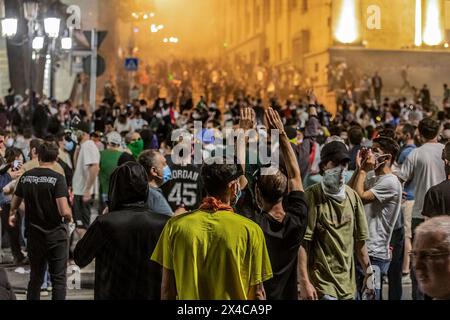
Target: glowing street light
x=165 y=40
x=160 y=27
x=154 y=28
x=9 y=27
x=51 y=26
x=38 y=43
x=66 y=43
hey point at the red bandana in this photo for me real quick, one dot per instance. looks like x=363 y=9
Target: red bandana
x=212 y=204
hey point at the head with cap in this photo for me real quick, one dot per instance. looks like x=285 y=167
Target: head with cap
x=334 y=154
x=431 y=257
x=222 y=180
x=114 y=140
x=128 y=185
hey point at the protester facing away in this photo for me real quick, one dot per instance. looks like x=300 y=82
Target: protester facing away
x=213 y=253
x=282 y=213
x=431 y=257
x=381 y=192
x=47 y=213
x=437 y=199
x=122 y=240
x=423 y=167
x=336 y=232
x=109 y=160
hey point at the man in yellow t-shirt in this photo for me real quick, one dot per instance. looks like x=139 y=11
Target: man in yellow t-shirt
x=213 y=253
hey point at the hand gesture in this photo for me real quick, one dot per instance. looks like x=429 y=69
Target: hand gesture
x=248 y=119
x=308 y=292
x=274 y=120
x=12 y=220
x=14 y=174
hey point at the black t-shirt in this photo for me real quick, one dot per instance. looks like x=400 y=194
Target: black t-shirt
x=184 y=188
x=437 y=200
x=283 y=240
x=122 y=243
x=40 y=187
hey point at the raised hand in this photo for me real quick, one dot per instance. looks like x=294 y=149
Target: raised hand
x=248 y=119
x=274 y=120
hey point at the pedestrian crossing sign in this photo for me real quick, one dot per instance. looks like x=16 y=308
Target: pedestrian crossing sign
x=131 y=64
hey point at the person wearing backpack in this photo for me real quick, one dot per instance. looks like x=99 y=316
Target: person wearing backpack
x=336 y=233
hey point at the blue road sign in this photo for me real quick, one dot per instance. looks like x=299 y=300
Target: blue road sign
x=131 y=64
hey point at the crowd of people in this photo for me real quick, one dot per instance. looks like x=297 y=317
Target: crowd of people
x=344 y=212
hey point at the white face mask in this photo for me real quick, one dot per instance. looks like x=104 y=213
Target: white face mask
x=333 y=182
x=9 y=142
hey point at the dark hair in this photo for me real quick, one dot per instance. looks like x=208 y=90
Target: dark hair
x=429 y=128
x=388 y=145
x=11 y=154
x=147 y=159
x=409 y=129
x=387 y=133
x=447 y=151
x=272 y=187
x=2 y=132
x=216 y=177
x=355 y=135
x=35 y=144
x=47 y=152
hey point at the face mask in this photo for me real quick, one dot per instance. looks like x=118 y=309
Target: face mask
x=380 y=160
x=69 y=145
x=136 y=148
x=167 y=174
x=9 y=142
x=237 y=195
x=334 y=180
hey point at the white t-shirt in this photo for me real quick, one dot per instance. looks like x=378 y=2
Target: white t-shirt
x=88 y=155
x=137 y=124
x=424 y=168
x=382 y=213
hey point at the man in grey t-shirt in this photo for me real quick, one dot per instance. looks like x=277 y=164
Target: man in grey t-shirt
x=382 y=195
x=424 y=169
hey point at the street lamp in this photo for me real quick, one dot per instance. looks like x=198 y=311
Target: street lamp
x=31 y=9
x=9 y=27
x=51 y=27
x=66 y=43
x=38 y=43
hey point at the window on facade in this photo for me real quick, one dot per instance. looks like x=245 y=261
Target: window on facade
x=280 y=51
x=304 y=6
x=306 y=41
x=267 y=10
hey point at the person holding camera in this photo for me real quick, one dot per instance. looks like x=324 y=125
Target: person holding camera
x=381 y=192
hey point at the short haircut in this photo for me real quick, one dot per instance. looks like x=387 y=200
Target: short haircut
x=216 y=177
x=148 y=159
x=11 y=154
x=47 y=152
x=435 y=225
x=429 y=128
x=2 y=132
x=35 y=143
x=388 y=145
x=409 y=129
x=355 y=135
x=272 y=187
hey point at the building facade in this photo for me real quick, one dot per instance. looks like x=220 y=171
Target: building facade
x=399 y=38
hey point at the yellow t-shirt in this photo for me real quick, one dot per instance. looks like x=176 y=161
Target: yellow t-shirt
x=214 y=256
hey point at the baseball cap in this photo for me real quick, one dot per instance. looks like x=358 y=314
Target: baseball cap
x=114 y=138
x=335 y=151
